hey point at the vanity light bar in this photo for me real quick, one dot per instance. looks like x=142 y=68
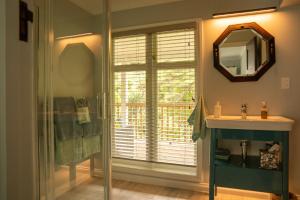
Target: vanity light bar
x=74 y=36
x=244 y=12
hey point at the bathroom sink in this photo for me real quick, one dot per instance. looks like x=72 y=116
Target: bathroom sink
x=273 y=123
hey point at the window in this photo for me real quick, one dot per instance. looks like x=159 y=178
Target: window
x=154 y=83
x=130 y=50
x=176 y=46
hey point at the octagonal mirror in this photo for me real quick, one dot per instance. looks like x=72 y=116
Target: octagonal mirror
x=244 y=52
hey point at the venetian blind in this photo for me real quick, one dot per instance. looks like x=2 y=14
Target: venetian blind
x=154 y=83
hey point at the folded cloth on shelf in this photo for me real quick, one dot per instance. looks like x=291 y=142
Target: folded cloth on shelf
x=198 y=120
x=65 y=119
x=93 y=127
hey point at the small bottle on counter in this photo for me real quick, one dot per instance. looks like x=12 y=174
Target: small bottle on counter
x=264 y=110
x=217 y=110
x=244 y=110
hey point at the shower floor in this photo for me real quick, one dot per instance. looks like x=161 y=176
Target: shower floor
x=92 y=189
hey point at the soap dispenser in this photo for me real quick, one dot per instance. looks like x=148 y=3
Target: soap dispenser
x=264 y=110
x=217 y=110
x=244 y=109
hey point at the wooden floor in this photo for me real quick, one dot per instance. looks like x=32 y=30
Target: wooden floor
x=92 y=190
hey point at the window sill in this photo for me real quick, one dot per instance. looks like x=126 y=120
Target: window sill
x=166 y=171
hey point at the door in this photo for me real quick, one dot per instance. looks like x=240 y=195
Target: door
x=73 y=99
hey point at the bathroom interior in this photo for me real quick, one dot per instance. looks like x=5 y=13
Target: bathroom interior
x=173 y=99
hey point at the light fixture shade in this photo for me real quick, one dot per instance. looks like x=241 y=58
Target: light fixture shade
x=244 y=12
x=74 y=36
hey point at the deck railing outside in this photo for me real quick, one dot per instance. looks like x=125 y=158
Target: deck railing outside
x=171 y=120
x=173 y=133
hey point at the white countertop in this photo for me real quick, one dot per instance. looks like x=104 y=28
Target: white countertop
x=273 y=123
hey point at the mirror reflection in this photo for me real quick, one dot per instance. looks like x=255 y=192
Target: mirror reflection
x=243 y=52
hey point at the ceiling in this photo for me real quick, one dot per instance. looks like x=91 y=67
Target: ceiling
x=286 y=3
x=94 y=6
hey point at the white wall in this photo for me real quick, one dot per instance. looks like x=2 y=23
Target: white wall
x=285 y=26
x=66 y=81
x=2 y=103
x=71 y=20
x=21 y=166
x=183 y=10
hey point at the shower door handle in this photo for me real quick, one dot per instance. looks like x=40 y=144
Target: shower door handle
x=101 y=106
x=104 y=109
x=98 y=104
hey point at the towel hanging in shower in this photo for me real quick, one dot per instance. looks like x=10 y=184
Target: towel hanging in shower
x=65 y=119
x=82 y=109
x=75 y=142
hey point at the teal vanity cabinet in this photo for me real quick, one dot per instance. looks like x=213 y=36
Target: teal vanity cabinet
x=232 y=173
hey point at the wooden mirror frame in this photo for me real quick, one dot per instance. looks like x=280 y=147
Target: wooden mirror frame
x=270 y=40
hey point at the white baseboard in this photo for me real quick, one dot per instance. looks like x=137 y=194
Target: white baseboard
x=198 y=187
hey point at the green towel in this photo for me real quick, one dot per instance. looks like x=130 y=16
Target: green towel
x=198 y=120
x=76 y=150
x=68 y=151
x=91 y=145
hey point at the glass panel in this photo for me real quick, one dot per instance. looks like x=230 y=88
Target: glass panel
x=176 y=88
x=129 y=139
x=176 y=46
x=243 y=52
x=77 y=125
x=71 y=125
x=130 y=50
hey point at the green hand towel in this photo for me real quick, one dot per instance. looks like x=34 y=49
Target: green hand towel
x=198 y=120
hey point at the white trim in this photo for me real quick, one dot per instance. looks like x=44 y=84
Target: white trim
x=161 y=170
x=2 y=101
x=178 y=65
x=199 y=92
x=128 y=28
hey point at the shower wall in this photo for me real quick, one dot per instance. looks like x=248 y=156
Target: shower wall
x=74 y=66
x=73 y=143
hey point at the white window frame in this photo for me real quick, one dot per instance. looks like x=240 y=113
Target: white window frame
x=143 y=168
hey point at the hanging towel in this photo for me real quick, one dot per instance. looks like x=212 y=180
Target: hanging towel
x=82 y=109
x=93 y=127
x=65 y=119
x=198 y=120
x=68 y=151
x=75 y=142
x=76 y=150
x=91 y=145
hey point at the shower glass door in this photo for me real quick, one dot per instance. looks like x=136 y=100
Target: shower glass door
x=73 y=100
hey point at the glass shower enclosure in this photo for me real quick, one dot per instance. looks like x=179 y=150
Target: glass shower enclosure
x=73 y=103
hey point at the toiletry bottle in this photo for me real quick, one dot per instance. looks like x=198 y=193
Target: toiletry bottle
x=244 y=109
x=264 y=110
x=217 y=110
